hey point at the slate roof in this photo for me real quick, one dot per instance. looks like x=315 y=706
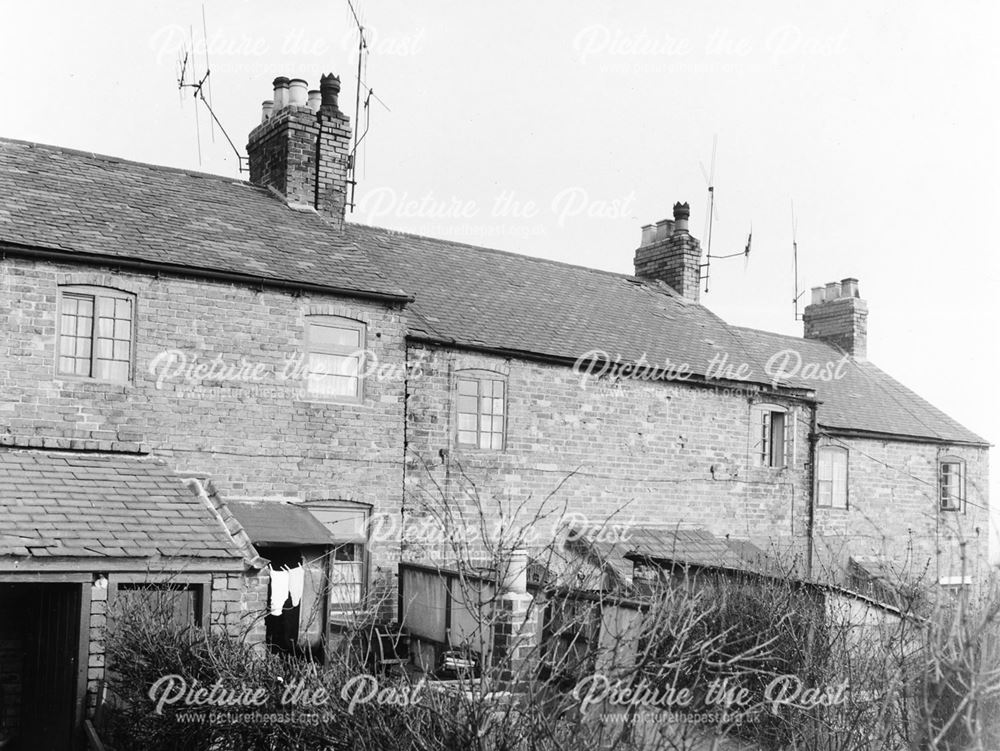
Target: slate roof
x=865 y=398
x=69 y=200
x=102 y=505
x=278 y=523
x=490 y=298
x=89 y=204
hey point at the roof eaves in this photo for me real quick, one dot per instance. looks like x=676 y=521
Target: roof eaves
x=796 y=392
x=833 y=430
x=137 y=264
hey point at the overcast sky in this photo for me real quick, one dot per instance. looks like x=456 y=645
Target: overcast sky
x=557 y=129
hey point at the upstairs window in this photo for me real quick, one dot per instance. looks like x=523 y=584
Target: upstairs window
x=96 y=333
x=482 y=409
x=774 y=435
x=951 y=483
x=831 y=477
x=335 y=357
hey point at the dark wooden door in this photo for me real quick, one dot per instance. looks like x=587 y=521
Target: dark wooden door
x=51 y=667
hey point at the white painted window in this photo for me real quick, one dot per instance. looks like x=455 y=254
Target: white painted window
x=96 y=333
x=481 y=409
x=347 y=582
x=348 y=523
x=773 y=429
x=335 y=357
x=951 y=483
x=831 y=477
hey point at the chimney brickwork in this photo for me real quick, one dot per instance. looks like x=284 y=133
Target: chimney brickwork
x=837 y=315
x=670 y=254
x=302 y=151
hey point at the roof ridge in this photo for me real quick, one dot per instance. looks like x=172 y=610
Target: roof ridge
x=122 y=160
x=793 y=337
x=515 y=254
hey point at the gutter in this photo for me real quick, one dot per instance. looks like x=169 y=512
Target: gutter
x=878 y=436
x=158 y=267
x=803 y=395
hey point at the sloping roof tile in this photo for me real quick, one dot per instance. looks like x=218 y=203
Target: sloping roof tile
x=480 y=297
x=68 y=200
x=865 y=398
x=97 y=510
x=491 y=298
x=469 y=296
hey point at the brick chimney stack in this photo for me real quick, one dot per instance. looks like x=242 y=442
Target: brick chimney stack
x=837 y=315
x=669 y=254
x=301 y=148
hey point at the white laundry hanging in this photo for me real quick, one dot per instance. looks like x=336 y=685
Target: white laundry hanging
x=296 y=582
x=279 y=589
x=286 y=582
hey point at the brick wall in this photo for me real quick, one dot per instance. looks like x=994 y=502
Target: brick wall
x=648 y=453
x=96 y=650
x=260 y=439
x=842 y=322
x=675 y=260
x=283 y=154
x=239 y=604
x=894 y=511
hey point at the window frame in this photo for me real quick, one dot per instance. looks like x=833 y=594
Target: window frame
x=479 y=376
x=955 y=461
x=839 y=451
x=201 y=585
x=360 y=561
x=761 y=426
x=341 y=322
x=362 y=553
x=95 y=293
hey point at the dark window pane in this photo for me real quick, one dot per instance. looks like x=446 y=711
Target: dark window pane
x=777 y=439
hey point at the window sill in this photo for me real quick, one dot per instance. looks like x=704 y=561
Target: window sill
x=467 y=449
x=328 y=401
x=65 y=378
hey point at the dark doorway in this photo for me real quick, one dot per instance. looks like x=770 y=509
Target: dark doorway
x=39 y=665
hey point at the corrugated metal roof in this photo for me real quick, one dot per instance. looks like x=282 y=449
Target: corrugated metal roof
x=685 y=546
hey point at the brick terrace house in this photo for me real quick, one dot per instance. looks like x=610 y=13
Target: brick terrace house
x=205 y=381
